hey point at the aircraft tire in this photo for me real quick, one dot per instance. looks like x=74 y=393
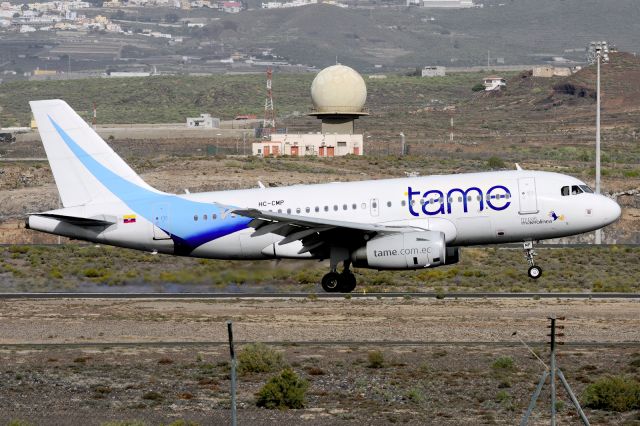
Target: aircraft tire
x=535 y=272
x=331 y=282
x=347 y=282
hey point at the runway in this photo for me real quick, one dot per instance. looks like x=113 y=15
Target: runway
x=389 y=295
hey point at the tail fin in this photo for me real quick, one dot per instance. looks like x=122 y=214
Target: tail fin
x=85 y=168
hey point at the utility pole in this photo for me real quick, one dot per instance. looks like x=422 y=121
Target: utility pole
x=554 y=372
x=402 y=144
x=598 y=56
x=234 y=419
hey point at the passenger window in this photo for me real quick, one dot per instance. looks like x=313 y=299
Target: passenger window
x=364 y=205
x=204 y=217
x=326 y=208
x=403 y=203
x=214 y=216
x=564 y=191
x=307 y=210
x=459 y=199
x=195 y=217
x=388 y=203
x=317 y=209
x=354 y=206
x=288 y=211
x=422 y=200
x=279 y=210
x=345 y=207
x=298 y=210
x=335 y=207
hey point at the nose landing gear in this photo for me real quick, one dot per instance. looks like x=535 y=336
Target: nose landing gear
x=534 y=272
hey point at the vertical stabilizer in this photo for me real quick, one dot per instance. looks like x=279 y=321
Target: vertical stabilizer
x=85 y=168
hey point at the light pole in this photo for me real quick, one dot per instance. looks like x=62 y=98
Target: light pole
x=599 y=47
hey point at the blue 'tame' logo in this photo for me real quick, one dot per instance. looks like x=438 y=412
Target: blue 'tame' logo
x=434 y=201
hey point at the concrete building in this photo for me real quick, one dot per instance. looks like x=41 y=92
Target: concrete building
x=316 y=144
x=494 y=82
x=205 y=121
x=431 y=71
x=551 y=71
x=448 y=4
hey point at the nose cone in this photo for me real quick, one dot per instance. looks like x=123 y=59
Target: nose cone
x=610 y=211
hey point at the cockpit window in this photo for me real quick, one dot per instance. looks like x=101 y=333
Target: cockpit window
x=575 y=190
x=564 y=191
x=586 y=189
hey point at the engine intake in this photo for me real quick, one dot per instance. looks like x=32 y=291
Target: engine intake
x=409 y=250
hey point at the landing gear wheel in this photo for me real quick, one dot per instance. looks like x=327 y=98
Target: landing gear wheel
x=535 y=272
x=331 y=282
x=347 y=282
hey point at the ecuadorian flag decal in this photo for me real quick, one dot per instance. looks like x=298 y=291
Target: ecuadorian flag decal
x=129 y=218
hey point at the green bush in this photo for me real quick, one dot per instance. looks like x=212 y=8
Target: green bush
x=285 y=390
x=376 y=359
x=478 y=87
x=495 y=163
x=259 y=358
x=503 y=363
x=613 y=393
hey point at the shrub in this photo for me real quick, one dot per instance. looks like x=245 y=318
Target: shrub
x=124 y=423
x=415 y=395
x=376 y=359
x=285 y=390
x=153 y=396
x=613 y=393
x=478 y=87
x=503 y=363
x=259 y=358
x=495 y=163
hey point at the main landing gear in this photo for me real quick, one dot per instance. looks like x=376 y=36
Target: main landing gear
x=534 y=272
x=333 y=282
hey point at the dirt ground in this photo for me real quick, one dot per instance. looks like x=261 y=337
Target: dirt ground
x=90 y=361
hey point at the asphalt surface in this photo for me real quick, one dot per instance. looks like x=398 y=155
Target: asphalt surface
x=54 y=295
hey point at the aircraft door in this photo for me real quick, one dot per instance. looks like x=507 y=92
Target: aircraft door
x=161 y=222
x=375 y=207
x=527 y=195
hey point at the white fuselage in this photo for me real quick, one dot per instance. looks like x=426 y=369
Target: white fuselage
x=469 y=209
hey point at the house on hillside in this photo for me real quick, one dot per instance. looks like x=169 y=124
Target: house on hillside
x=494 y=82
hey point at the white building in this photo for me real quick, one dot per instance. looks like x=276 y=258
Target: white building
x=494 y=82
x=448 y=4
x=205 y=121
x=431 y=71
x=320 y=145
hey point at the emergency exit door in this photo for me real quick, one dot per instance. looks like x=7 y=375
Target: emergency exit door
x=527 y=195
x=375 y=208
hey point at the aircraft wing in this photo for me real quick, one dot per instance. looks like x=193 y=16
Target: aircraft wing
x=316 y=234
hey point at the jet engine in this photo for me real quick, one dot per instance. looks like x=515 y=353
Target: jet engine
x=408 y=250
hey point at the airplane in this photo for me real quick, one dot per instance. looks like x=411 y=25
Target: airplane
x=392 y=224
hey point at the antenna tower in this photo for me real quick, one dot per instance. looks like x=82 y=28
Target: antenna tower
x=269 y=113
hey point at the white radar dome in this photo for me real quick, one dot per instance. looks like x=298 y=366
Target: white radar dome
x=338 y=89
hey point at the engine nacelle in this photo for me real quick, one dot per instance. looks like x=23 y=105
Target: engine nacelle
x=409 y=250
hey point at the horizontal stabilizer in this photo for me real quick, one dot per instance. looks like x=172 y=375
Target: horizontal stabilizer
x=78 y=221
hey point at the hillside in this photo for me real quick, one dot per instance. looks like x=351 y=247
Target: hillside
x=521 y=32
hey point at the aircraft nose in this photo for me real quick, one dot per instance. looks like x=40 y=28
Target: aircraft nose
x=611 y=210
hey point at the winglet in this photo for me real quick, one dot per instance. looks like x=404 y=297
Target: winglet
x=518 y=167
